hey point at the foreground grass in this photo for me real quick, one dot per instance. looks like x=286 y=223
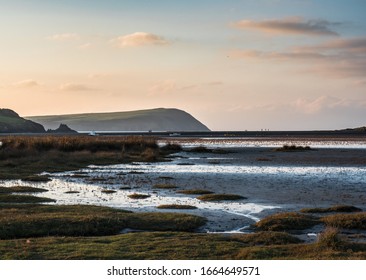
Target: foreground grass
x=18 y=221
x=175 y=246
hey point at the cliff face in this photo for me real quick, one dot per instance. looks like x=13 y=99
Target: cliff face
x=143 y=120
x=11 y=122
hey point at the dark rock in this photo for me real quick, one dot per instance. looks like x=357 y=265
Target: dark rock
x=63 y=128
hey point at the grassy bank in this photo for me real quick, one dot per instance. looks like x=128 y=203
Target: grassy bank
x=21 y=157
x=177 y=246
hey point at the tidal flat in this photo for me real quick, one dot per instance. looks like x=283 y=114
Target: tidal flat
x=264 y=180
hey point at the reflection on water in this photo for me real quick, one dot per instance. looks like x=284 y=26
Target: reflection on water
x=220 y=173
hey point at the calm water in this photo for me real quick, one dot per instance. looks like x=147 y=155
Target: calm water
x=267 y=187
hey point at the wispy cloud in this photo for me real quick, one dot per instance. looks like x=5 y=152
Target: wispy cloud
x=29 y=83
x=64 y=37
x=163 y=87
x=74 y=87
x=337 y=58
x=139 y=39
x=85 y=46
x=290 y=26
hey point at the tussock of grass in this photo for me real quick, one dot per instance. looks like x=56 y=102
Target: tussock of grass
x=337 y=208
x=176 y=206
x=15 y=198
x=171 y=148
x=200 y=149
x=293 y=148
x=21 y=189
x=165 y=186
x=17 y=221
x=267 y=238
x=346 y=221
x=108 y=191
x=138 y=196
x=220 y=197
x=330 y=238
x=166 y=178
x=195 y=192
x=72 y=192
x=286 y=222
x=36 y=179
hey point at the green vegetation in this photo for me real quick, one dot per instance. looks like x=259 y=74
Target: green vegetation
x=287 y=221
x=175 y=246
x=15 y=198
x=18 y=221
x=21 y=189
x=176 y=206
x=293 y=148
x=267 y=238
x=337 y=208
x=195 y=192
x=138 y=196
x=220 y=197
x=165 y=186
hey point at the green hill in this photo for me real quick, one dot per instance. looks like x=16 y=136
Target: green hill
x=11 y=122
x=143 y=120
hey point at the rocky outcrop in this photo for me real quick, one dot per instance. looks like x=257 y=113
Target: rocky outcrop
x=11 y=122
x=62 y=129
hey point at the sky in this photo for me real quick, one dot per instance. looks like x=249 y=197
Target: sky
x=234 y=64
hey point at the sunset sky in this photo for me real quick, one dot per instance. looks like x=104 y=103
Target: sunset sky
x=234 y=64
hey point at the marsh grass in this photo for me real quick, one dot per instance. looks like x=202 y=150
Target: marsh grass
x=18 y=221
x=165 y=186
x=346 y=221
x=220 y=197
x=330 y=238
x=293 y=148
x=176 y=206
x=267 y=238
x=21 y=189
x=172 y=246
x=16 y=198
x=108 y=191
x=138 y=196
x=337 y=208
x=25 y=156
x=287 y=222
x=195 y=192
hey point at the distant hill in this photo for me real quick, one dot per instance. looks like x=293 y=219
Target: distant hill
x=144 y=120
x=11 y=122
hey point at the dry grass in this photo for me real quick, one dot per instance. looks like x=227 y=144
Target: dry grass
x=138 y=196
x=346 y=221
x=176 y=206
x=15 y=198
x=293 y=148
x=21 y=157
x=337 y=208
x=220 y=197
x=287 y=221
x=165 y=186
x=21 y=189
x=195 y=192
